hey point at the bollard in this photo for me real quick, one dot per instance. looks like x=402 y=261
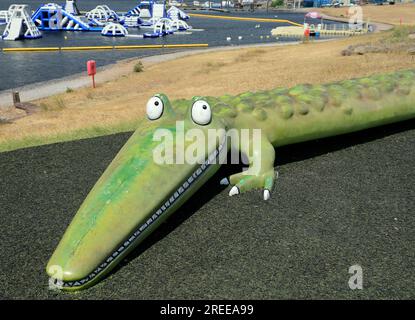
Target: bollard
x=16 y=97
x=92 y=70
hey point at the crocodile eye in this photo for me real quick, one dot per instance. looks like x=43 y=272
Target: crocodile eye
x=201 y=113
x=154 y=108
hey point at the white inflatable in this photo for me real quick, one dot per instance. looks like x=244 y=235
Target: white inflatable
x=102 y=13
x=163 y=26
x=70 y=7
x=132 y=22
x=179 y=25
x=52 y=16
x=177 y=14
x=20 y=25
x=4 y=16
x=114 y=30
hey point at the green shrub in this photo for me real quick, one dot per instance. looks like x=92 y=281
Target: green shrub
x=277 y=3
x=60 y=103
x=44 y=106
x=401 y=33
x=57 y=104
x=138 y=67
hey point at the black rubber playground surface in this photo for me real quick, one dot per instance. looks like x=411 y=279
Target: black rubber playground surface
x=338 y=202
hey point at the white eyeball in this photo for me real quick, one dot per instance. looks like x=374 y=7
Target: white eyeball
x=155 y=108
x=201 y=113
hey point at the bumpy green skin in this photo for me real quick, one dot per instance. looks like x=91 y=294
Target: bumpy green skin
x=134 y=188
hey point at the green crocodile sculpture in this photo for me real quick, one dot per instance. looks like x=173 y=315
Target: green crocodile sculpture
x=135 y=194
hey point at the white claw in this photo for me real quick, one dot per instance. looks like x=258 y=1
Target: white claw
x=267 y=195
x=224 y=182
x=234 y=191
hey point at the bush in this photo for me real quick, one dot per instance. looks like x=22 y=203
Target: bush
x=138 y=67
x=55 y=105
x=69 y=90
x=89 y=95
x=277 y=3
x=60 y=103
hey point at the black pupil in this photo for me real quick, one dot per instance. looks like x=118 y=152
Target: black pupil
x=204 y=107
x=156 y=103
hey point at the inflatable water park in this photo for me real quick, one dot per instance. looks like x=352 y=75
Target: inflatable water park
x=150 y=15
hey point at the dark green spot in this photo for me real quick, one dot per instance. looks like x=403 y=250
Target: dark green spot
x=260 y=114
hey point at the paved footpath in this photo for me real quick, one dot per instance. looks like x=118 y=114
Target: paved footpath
x=107 y=73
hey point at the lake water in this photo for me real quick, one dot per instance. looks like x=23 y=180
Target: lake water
x=18 y=69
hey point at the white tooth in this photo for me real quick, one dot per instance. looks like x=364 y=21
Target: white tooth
x=234 y=191
x=267 y=194
x=224 y=182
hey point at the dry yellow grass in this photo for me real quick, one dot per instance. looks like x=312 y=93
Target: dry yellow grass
x=118 y=103
x=391 y=14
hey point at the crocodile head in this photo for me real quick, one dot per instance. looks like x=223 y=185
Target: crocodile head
x=171 y=154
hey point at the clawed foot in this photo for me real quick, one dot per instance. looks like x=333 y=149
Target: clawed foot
x=243 y=182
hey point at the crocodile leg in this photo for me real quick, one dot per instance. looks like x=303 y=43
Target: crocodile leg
x=260 y=174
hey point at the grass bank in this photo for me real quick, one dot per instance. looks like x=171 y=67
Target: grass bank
x=116 y=105
x=391 y=14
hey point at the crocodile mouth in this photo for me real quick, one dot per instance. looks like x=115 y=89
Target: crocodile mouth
x=135 y=236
